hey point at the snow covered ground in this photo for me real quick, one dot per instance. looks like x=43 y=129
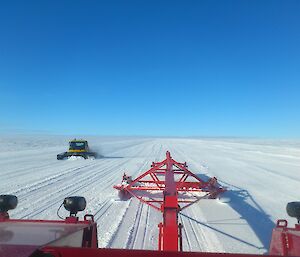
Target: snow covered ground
x=261 y=176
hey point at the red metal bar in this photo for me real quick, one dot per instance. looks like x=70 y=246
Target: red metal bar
x=160 y=236
x=152 y=181
x=170 y=209
x=143 y=201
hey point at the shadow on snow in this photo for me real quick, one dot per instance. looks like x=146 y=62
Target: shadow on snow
x=243 y=203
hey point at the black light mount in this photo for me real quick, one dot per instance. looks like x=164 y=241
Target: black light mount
x=74 y=204
x=293 y=210
x=7 y=202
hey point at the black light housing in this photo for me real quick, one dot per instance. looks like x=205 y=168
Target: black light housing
x=293 y=210
x=8 y=202
x=74 y=204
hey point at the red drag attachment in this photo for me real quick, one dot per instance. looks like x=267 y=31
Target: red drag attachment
x=168 y=186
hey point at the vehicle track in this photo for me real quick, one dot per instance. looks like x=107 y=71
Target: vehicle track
x=133 y=227
x=146 y=229
x=86 y=181
x=26 y=191
x=103 y=208
x=114 y=228
x=185 y=235
x=69 y=183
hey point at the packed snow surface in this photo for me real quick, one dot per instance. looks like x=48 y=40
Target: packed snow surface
x=261 y=177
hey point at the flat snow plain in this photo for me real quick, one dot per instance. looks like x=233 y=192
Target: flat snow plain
x=261 y=177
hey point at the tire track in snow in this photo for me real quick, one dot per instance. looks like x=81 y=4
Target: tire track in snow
x=185 y=235
x=193 y=232
x=24 y=180
x=58 y=165
x=103 y=208
x=25 y=192
x=141 y=230
x=24 y=171
x=146 y=224
x=49 y=181
x=32 y=188
x=137 y=242
x=132 y=238
x=72 y=188
x=108 y=237
x=208 y=240
x=134 y=229
x=126 y=223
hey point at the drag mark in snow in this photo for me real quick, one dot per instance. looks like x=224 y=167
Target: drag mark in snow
x=117 y=231
x=134 y=229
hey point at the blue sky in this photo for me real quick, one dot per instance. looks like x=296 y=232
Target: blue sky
x=186 y=68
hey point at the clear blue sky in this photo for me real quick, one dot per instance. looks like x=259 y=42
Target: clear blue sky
x=186 y=68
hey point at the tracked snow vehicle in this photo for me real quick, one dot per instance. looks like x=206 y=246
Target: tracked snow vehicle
x=78 y=148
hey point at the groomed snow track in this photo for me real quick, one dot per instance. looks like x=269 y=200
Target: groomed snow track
x=252 y=170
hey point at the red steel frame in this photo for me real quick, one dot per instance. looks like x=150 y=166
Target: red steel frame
x=176 y=180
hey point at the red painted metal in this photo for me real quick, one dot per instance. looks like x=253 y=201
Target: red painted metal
x=21 y=238
x=285 y=241
x=167 y=182
x=87 y=252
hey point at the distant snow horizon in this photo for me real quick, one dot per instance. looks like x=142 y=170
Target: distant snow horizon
x=21 y=132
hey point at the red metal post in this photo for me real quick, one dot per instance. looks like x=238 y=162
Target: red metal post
x=170 y=209
x=160 y=236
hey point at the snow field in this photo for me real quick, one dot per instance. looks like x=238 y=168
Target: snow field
x=261 y=177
